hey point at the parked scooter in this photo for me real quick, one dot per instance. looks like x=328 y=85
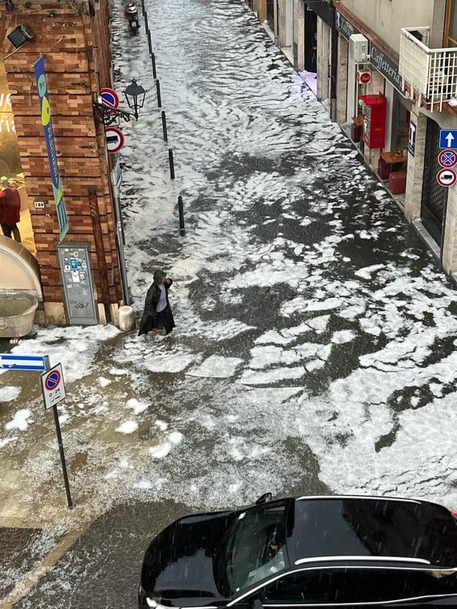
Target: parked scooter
x=131 y=14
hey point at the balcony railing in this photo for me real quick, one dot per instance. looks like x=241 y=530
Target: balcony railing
x=430 y=73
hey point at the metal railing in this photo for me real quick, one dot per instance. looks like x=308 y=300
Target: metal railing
x=431 y=73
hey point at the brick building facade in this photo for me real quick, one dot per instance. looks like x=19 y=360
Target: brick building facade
x=74 y=38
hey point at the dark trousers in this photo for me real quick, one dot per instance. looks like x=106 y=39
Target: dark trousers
x=11 y=229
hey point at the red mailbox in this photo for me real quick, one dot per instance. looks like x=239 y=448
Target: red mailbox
x=374 y=126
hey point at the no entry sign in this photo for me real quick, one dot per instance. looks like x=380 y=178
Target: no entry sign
x=114 y=139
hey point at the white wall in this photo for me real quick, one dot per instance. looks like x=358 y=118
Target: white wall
x=387 y=17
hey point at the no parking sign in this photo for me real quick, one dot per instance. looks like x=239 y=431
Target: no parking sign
x=53 y=386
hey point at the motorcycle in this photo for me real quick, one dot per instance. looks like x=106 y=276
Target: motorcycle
x=131 y=13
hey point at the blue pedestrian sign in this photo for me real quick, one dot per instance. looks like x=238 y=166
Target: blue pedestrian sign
x=22 y=362
x=447 y=158
x=448 y=138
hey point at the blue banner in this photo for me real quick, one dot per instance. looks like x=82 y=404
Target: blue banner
x=42 y=85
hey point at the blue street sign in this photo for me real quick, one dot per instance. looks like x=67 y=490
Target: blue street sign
x=448 y=138
x=22 y=362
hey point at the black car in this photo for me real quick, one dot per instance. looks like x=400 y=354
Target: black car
x=336 y=551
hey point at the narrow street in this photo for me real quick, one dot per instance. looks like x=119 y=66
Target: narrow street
x=314 y=349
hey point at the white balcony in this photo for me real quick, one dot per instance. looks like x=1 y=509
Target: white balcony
x=430 y=73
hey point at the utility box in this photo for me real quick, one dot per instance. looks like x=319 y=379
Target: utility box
x=358 y=48
x=76 y=273
x=374 y=125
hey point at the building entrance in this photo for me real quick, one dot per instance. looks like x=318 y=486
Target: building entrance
x=11 y=174
x=434 y=196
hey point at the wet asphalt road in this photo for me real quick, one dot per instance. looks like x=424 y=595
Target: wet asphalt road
x=283 y=221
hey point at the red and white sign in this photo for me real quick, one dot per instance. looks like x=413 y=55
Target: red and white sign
x=364 y=77
x=114 y=139
x=109 y=97
x=447 y=158
x=53 y=386
x=446 y=177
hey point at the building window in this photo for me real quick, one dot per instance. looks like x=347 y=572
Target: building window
x=451 y=23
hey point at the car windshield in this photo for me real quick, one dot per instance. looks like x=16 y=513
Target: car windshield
x=254 y=548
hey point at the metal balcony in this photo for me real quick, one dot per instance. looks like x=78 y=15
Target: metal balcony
x=430 y=73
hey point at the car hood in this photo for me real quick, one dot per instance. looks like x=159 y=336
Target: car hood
x=178 y=566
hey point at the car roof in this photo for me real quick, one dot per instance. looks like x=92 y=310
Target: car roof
x=354 y=527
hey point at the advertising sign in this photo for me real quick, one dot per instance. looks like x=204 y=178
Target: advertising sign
x=386 y=66
x=42 y=85
x=345 y=27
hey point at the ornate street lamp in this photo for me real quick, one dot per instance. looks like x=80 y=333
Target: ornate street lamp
x=135 y=94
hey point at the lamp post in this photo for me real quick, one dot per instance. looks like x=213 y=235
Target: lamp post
x=135 y=94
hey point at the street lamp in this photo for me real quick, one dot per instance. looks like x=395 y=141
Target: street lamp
x=135 y=94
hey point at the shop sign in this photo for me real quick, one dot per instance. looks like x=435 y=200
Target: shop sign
x=412 y=138
x=386 y=66
x=323 y=9
x=345 y=27
x=42 y=86
x=364 y=77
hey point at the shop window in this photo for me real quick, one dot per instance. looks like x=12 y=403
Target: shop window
x=400 y=124
x=10 y=160
x=451 y=23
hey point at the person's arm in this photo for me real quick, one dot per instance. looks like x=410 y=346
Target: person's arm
x=151 y=302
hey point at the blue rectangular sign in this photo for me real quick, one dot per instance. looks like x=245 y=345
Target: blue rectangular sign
x=22 y=362
x=448 y=138
x=42 y=85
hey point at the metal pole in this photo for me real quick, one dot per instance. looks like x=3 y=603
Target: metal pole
x=142 y=7
x=164 y=126
x=59 y=441
x=146 y=21
x=171 y=162
x=150 y=52
x=153 y=58
x=159 y=97
x=182 y=230
x=275 y=22
x=120 y=246
x=443 y=230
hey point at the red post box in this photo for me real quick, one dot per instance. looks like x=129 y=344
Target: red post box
x=374 y=126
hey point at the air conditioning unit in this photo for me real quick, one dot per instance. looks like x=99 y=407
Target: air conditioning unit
x=358 y=48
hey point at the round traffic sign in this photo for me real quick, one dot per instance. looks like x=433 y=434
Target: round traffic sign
x=52 y=380
x=446 y=177
x=114 y=139
x=110 y=97
x=447 y=158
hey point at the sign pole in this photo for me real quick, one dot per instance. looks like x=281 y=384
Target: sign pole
x=59 y=441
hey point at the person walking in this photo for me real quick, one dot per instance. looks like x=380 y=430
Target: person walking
x=10 y=210
x=157 y=314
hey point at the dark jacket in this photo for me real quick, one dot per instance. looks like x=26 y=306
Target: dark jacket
x=149 y=317
x=10 y=206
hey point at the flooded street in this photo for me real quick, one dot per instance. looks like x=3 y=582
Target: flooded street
x=314 y=348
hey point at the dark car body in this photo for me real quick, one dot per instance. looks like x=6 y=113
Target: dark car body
x=336 y=551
